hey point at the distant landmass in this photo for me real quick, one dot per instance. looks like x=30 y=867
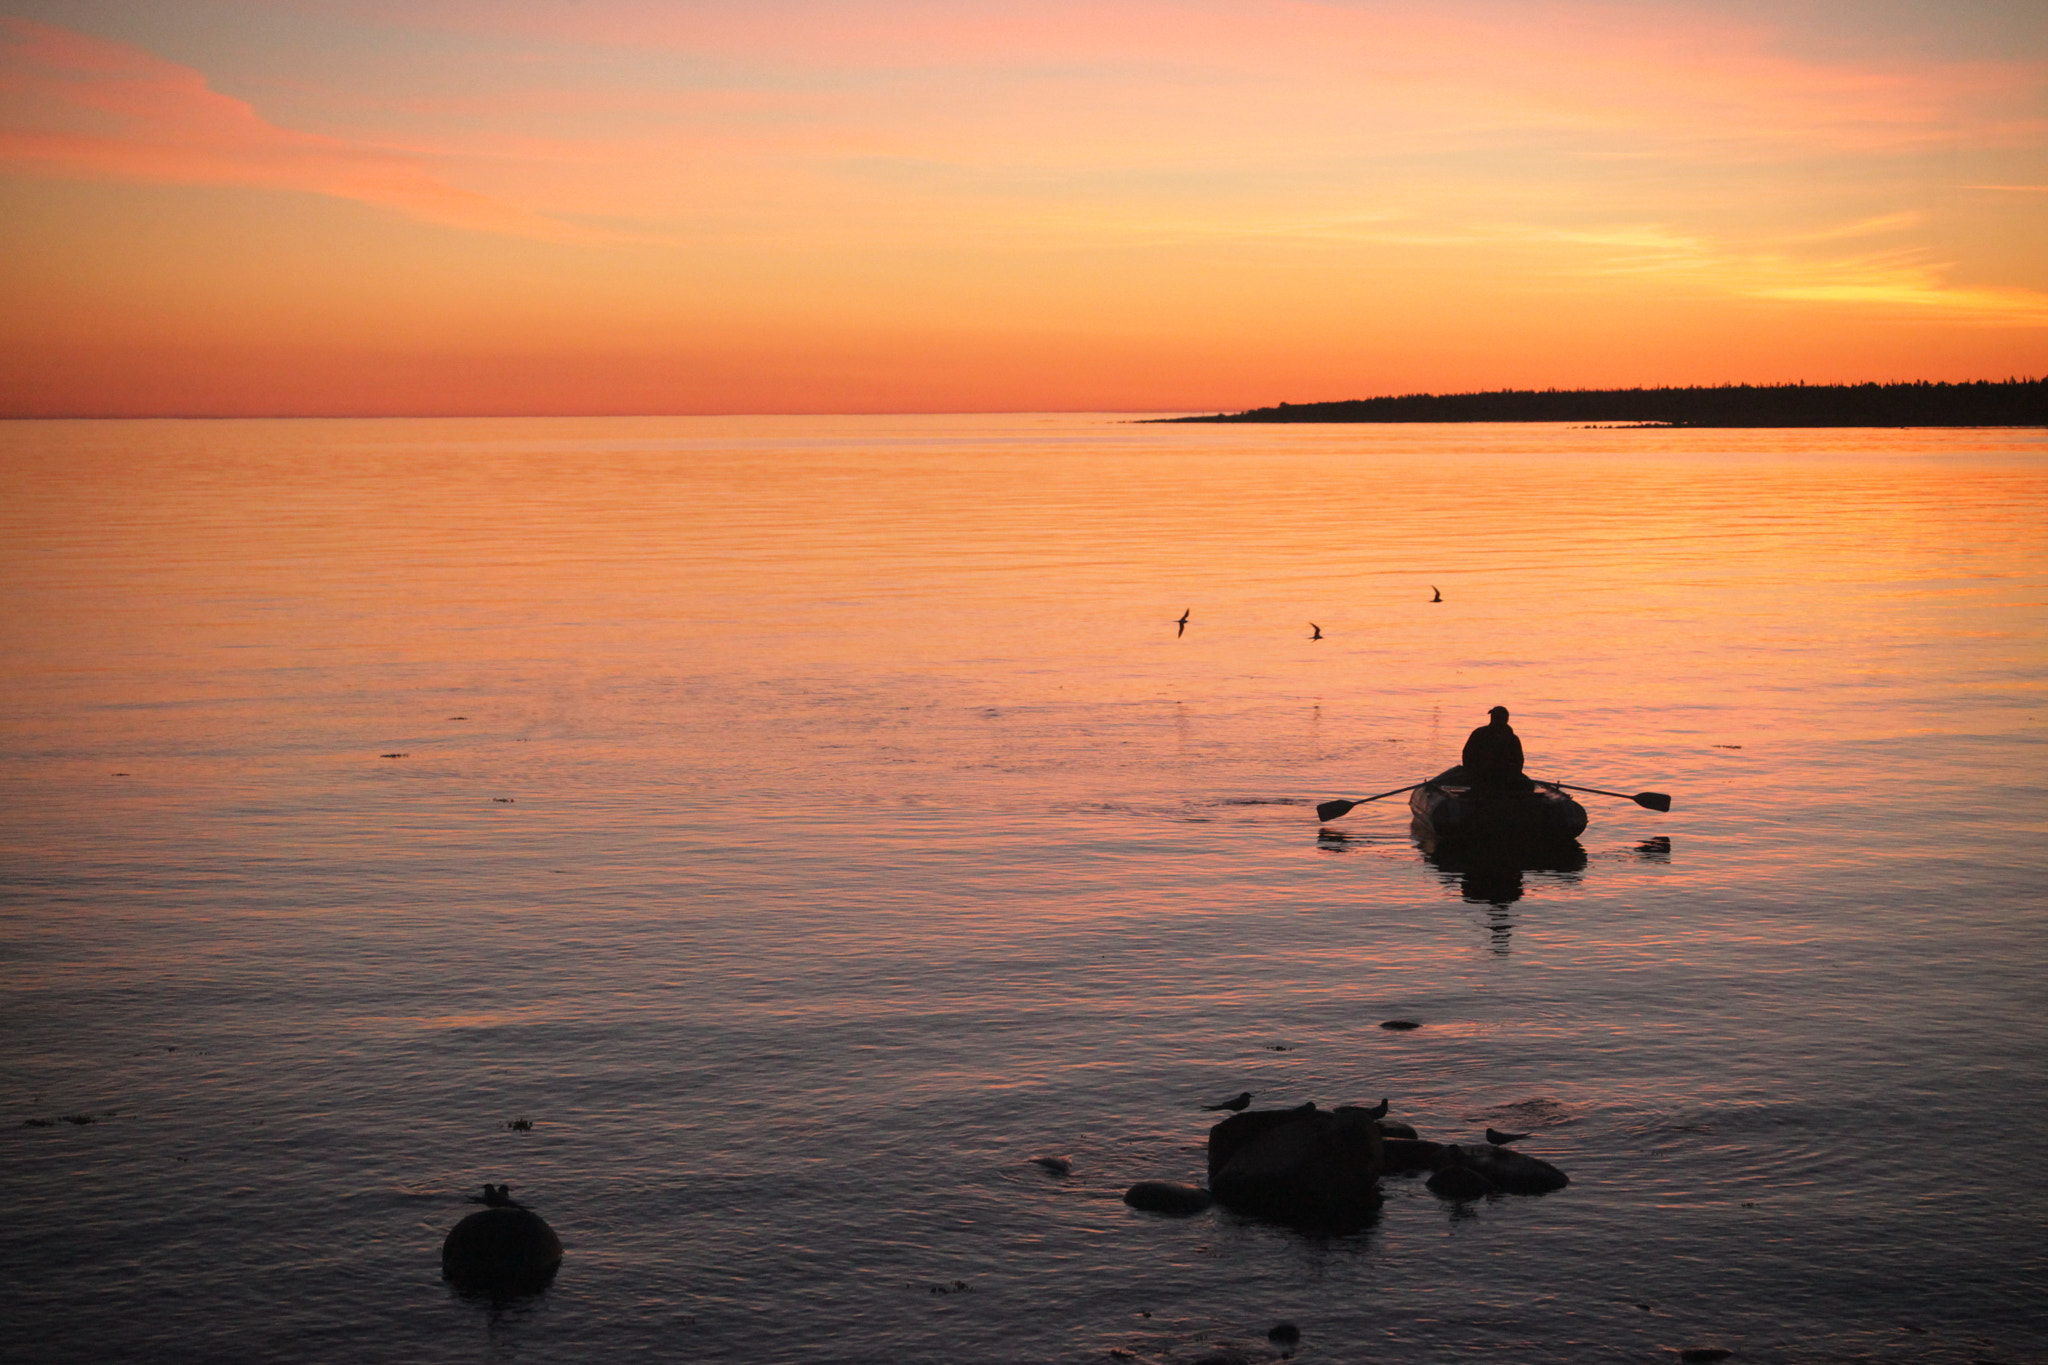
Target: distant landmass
x=1985 y=403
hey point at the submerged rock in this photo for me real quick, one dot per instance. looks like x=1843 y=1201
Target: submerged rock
x=1410 y=1154
x=1459 y=1181
x=1164 y=1196
x=501 y=1250
x=1469 y=1172
x=1515 y=1172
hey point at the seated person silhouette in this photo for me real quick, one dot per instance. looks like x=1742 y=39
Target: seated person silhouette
x=1492 y=761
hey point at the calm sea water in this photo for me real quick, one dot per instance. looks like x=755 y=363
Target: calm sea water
x=805 y=823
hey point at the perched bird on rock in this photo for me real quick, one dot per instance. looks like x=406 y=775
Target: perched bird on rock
x=1500 y=1139
x=1237 y=1105
x=1378 y=1111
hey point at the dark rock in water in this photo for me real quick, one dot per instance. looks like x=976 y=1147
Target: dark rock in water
x=1164 y=1196
x=1515 y=1172
x=1410 y=1154
x=1283 y=1334
x=1056 y=1165
x=501 y=1250
x=1699 y=1355
x=1467 y=1172
x=1399 y=1024
x=1301 y=1166
x=1394 y=1128
x=1459 y=1181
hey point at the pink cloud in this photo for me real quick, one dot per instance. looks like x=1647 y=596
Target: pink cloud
x=1676 y=72
x=77 y=106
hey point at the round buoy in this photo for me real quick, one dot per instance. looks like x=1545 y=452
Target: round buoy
x=501 y=1250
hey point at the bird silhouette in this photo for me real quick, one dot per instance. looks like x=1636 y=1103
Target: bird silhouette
x=1183 y=623
x=1317 y=629
x=1378 y=1111
x=1500 y=1139
x=1236 y=1106
x=1438 y=591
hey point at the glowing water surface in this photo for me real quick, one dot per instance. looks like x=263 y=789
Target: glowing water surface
x=807 y=822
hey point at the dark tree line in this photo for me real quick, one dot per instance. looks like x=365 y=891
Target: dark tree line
x=1985 y=403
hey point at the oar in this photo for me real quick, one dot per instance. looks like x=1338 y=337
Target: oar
x=1647 y=800
x=1330 y=810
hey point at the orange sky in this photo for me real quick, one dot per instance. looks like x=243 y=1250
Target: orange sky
x=585 y=206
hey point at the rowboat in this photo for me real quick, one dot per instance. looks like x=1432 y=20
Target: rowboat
x=1449 y=810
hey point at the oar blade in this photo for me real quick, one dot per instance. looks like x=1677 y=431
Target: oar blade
x=1330 y=810
x=1648 y=800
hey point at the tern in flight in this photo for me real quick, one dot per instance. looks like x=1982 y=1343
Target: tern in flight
x=1183 y=623
x=1438 y=591
x=1317 y=629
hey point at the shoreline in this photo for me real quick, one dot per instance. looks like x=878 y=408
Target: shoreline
x=1982 y=403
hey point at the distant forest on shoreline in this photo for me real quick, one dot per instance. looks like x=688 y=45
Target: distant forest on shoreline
x=1984 y=403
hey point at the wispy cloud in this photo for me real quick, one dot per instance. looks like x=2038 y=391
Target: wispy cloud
x=78 y=106
x=1589 y=187
x=1227 y=75
x=1904 y=281
x=1913 y=289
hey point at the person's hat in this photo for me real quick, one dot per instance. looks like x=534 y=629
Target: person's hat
x=1498 y=711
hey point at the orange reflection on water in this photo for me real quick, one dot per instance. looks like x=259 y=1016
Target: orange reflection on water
x=982 y=611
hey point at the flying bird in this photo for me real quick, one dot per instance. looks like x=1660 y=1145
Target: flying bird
x=1500 y=1139
x=1183 y=623
x=1438 y=591
x=1236 y=1106
x=1317 y=629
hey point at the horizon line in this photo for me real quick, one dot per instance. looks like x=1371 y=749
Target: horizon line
x=969 y=412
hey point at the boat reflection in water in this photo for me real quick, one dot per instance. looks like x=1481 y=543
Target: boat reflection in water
x=1492 y=874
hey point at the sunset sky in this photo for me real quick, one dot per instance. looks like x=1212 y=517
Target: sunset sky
x=694 y=206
